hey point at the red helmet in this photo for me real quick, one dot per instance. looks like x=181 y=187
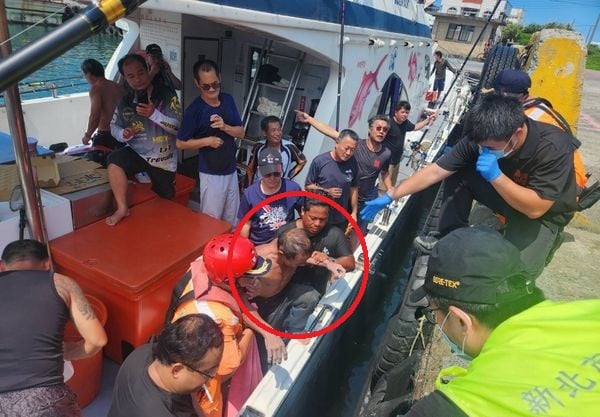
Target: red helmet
x=244 y=260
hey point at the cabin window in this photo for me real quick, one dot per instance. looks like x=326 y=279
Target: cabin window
x=469 y=11
x=460 y=33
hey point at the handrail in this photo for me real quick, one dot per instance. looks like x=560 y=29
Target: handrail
x=93 y=19
x=16 y=66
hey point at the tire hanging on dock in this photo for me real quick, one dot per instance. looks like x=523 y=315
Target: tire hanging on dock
x=500 y=58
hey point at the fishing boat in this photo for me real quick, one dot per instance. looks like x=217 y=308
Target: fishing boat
x=342 y=62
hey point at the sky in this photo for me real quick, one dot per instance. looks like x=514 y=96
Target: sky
x=581 y=13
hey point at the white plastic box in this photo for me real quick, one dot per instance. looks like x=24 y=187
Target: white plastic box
x=57 y=215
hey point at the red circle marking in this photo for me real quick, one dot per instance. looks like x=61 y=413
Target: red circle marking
x=361 y=290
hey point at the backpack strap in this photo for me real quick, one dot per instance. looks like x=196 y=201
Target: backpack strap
x=178 y=297
x=546 y=106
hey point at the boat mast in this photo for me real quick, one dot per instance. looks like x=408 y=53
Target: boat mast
x=14 y=113
x=340 y=61
x=15 y=67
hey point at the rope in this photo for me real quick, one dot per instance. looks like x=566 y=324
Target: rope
x=32 y=26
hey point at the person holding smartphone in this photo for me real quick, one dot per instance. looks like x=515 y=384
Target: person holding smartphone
x=146 y=120
x=160 y=70
x=211 y=124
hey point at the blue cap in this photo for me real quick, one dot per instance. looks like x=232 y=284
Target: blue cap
x=512 y=81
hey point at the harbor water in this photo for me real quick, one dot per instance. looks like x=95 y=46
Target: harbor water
x=63 y=74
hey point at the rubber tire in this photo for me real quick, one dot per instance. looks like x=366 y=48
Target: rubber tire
x=500 y=58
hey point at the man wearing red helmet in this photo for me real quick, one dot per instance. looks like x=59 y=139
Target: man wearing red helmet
x=205 y=289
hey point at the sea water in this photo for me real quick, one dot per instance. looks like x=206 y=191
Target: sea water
x=64 y=73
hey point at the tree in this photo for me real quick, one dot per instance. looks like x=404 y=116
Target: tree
x=511 y=32
x=532 y=28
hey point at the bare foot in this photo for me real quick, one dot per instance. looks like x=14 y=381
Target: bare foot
x=117 y=217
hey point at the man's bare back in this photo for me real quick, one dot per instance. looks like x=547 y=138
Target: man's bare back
x=109 y=94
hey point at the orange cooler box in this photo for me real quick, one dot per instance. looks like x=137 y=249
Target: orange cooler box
x=133 y=266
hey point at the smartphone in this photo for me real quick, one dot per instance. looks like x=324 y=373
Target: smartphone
x=142 y=97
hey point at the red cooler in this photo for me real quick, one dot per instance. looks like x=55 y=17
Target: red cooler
x=133 y=266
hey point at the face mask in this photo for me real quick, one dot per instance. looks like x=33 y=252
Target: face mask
x=456 y=351
x=499 y=154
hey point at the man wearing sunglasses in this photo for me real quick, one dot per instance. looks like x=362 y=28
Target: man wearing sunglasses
x=158 y=379
x=517 y=167
x=211 y=124
x=372 y=157
x=263 y=225
x=529 y=356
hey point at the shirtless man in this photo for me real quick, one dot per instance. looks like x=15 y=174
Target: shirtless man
x=282 y=303
x=104 y=96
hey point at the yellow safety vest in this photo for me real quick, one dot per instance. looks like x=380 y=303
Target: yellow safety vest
x=544 y=361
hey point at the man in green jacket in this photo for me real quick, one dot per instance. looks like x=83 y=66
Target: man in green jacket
x=531 y=357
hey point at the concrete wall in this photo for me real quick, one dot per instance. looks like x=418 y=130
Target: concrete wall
x=556 y=65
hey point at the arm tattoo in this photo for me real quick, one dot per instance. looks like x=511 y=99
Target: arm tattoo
x=75 y=294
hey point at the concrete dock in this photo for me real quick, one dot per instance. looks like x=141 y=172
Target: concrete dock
x=574 y=271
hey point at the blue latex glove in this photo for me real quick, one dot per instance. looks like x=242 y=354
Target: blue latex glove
x=372 y=207
x=487 y=165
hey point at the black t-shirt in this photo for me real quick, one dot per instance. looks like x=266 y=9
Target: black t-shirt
x=435 y=404
x=136 y=395
x=331 y=240
x=370 y=164
x=544 y=164
x=333 y=243
x=395 y=139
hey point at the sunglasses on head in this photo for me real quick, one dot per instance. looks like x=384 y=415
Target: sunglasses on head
x=206 y=87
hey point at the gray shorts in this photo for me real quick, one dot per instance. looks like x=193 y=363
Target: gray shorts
x=54 y=401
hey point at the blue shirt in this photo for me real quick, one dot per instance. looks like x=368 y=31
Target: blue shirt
x=196 y=124
x=269 y=218
x=325 y=172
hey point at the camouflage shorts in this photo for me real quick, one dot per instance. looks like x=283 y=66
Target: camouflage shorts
x=54 y=401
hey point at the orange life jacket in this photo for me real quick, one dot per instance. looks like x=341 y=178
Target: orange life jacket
x=541 y=110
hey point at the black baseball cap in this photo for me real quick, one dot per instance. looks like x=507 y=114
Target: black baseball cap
x=269 y=161
x=154 y=49
x=475 y=265
x=512 y=81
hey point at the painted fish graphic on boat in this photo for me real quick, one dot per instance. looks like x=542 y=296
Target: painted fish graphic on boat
x=412 y=68
x=369 y=78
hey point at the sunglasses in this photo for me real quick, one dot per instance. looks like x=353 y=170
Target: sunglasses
x=206 y=87
x=381 y=128
x=273 y=174
x=203 y=373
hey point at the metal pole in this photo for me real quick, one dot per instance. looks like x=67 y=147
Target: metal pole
x=591 y=39
x=470 y=52
x=43 y=50
x=340 y=63
x=14 y=113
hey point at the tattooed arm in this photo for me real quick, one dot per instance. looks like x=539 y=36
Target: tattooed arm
x=82 y=314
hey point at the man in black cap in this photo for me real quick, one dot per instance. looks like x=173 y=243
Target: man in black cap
x=518 y=167
x=262 y=227
x=530 y=356
x=160 y=70
x=516 y=83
